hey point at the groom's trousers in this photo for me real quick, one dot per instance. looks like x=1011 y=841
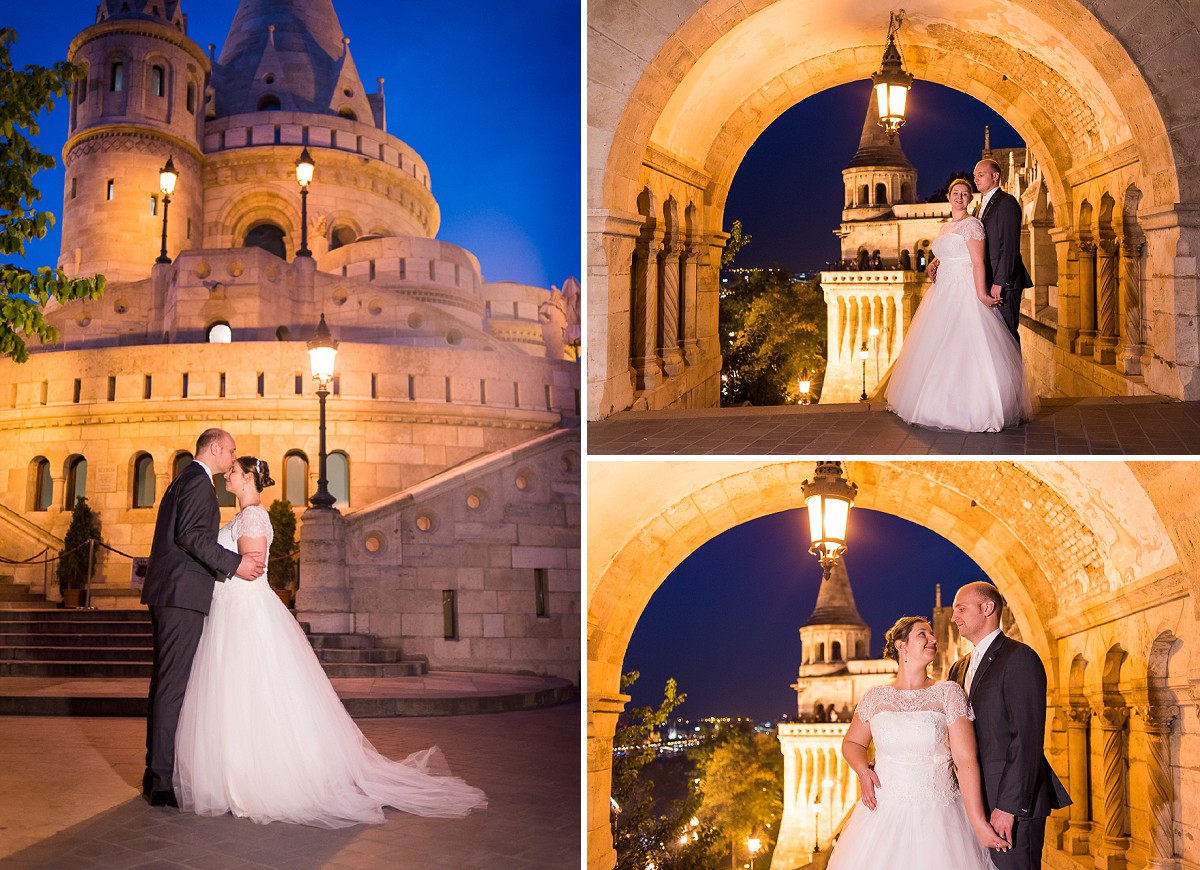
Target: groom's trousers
x=1026 y=853
x=176 y=635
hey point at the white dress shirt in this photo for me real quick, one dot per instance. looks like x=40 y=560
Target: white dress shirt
x=977 y=657
x=986 y=199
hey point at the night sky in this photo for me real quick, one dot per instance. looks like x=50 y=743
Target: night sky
x=788 y=192
x=726 y=622
x=490 y=100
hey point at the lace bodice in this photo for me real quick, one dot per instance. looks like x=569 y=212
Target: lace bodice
x=951 y=241
x=912 y=743
x=251 y=522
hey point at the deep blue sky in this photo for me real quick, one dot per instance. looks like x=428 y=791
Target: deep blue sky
x=726 y=622
x=788 y=191
x=488 y=95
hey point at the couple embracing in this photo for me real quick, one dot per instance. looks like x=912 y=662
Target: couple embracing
x=959 y=777
x=960 y=365
x=242 y=718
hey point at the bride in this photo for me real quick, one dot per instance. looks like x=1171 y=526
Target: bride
x=959 y=367
x=911 y=801
x=262 y=734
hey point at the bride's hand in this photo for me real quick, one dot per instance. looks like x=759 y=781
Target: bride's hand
x=987 y=837
x=867 y=783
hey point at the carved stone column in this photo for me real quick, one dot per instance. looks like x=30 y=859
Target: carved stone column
x=1115 y=788
x=1107 y=305
x=668 y=306
x=1077 y=839
x=1131 y=308
x=687 y=265
x=1157 y=720
x=643 y=345
x=602 y=726
x=1085 y=342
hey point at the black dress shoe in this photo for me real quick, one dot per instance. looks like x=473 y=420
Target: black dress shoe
x=164 y=798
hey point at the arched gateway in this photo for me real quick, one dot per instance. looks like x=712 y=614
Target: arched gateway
x=1099 y=563
x=1102 y=95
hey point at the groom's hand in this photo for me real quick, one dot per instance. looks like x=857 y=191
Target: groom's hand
x=1002 y=822
x=251 y=565
x=867 y=783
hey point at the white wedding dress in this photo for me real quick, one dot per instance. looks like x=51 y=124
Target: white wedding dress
x=959 y=367
x=919 y=819
x=263 y=735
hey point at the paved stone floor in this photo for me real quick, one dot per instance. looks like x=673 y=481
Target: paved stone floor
x=1065 y=427
x=69 y=798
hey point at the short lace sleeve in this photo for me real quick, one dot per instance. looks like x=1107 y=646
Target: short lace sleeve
x=254 y=522
x=972 y=228
x=955 y=703
x=868 y=706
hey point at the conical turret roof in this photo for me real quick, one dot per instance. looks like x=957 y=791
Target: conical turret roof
x=164 y=11
x=292 y=52
x=874 y=149
x=835 y=600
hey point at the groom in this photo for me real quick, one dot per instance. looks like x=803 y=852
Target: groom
x=1006 y=685
x=1001 y=216
x=185 y=560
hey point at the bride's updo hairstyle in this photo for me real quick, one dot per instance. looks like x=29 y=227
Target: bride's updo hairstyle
x=900 y=631
x=956 y=182
x=260 y=470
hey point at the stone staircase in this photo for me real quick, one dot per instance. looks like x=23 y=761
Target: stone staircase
x=118 y=644
x=13 y=596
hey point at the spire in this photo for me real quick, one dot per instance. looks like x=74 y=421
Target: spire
x=163 y=11
x=835 y=600
x=874 y=149
x=291 y=54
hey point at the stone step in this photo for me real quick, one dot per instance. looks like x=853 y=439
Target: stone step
x=79 y=669
x=376 y=671
x=138 y=654
x=20 y=593
x=60 y=639
x=359 y=656
x=80 y=615
x=66 y=626
x=339 y=641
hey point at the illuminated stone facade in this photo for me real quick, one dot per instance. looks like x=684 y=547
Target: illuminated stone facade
x=446 y=401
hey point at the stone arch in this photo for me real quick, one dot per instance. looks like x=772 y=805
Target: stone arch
x=1046 y=533
x=268 y=236
x=260 y=207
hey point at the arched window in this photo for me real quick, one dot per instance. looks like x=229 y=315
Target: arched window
x=906 y=192
x=143 y=481
x=268 y=237
x=342 y=235
x=81 y=87
x=156 y=80
x=348 y=113
x=820 y=652
x=191 y=97
x=182 y=460
x=225 y=498
x=283 y=334
x=76 y=480
x=881 y=194
x=835 y=651
x=269 y=103
x=859 y=652
x=295 y=478
x=116 y=79
x=864 y=195
x=337 y=466
x=43 y=486
x=220 y=333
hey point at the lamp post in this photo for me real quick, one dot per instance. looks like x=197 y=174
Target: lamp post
x=804 y=384
x=816 y=827
x=322 y=351
x=827 y=787
x=753 y=844
x=829 y=497
x=862 y=354
x=167 y=176
x=891 y=82
x=304 y=175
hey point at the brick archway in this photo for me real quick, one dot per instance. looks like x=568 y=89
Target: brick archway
x=1053 y=536
x=678 y=94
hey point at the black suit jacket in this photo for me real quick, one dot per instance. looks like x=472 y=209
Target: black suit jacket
x=1008 y=696
x=1002 y=223
x=185 y=558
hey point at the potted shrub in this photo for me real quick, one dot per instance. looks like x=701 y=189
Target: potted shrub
x=77 y=561
x=281 y=561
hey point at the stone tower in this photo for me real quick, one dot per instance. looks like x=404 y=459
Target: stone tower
x=140 y=103
x=880 y=175
x=834 y=635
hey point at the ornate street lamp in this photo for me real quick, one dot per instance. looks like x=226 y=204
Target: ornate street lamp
x=829 y=497
x=862 y=355
x=753 y=844
x=304 y=175
x=322 y=351
x=804 y=384
x=892 y=82
x=167 y=176
x=816 y=827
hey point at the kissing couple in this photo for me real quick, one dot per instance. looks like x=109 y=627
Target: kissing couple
x=242 y=718
x=959 y=776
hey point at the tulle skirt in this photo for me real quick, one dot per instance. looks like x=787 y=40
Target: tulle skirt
x=959 y=367
x=900 y=833
x=263 y=735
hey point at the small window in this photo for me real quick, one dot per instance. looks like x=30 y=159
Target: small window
x=370 y=270
x=549 y=404
x=337 y=385
x=220 y=333
x=189 y=228
x=295 y=477
x=299 y=384
x=448 y=395
x=337 y=470
x=191 y=98
x=116 y=79
x=112 y=388
x=449 y=614
x=147 y=387
x=108 y=190
x=262 y=383
x=516 y=395
x=154 y=205
x=74 y=187
x=43 y=485
x=269 y=103
x=432 y=270
x=402 y=267
x=143 y=481
x=183 y=391
x=221 y=385
x=348 y=113
x=541 y=592
x=482 y=391
x=156 y=81
x=412 y=387
x=76 y=480
x=374 y=386
x=77 y=391
x=81 y=89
